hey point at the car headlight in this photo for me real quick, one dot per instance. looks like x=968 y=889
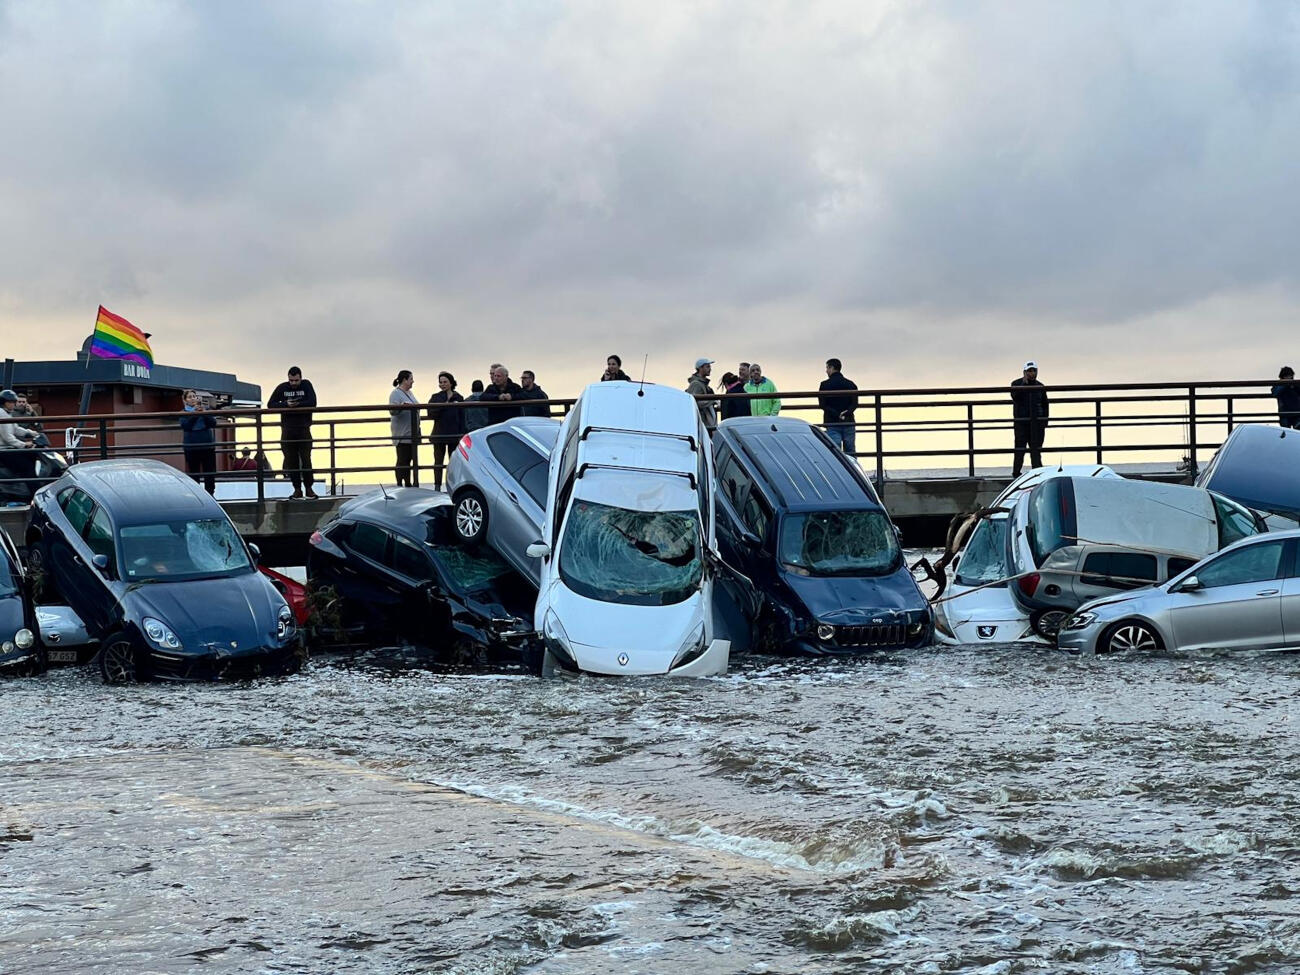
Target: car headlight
x=160 y=634
x=1079 y=620
x=914 y=629
x=825 y=632
x=7 y=646
x=692 y=647
x=284 y=624
x=24 y=639
x=556 y=639
x=941 y=623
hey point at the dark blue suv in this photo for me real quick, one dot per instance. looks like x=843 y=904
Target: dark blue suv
x=800 y=518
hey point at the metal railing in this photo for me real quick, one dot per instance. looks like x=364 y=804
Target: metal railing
x=965 y=431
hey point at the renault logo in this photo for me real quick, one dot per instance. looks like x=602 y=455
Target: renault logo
x=622 y=660
x=986 y=632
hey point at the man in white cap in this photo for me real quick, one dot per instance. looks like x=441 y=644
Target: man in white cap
x=1029 y=412
x=698 y=385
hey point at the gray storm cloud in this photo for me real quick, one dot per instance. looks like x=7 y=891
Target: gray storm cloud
x=644 y=171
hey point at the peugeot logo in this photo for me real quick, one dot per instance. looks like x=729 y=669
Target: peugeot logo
x=986 y=632
x=622 y=659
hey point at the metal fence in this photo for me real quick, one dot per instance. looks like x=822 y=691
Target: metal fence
x=966 y=431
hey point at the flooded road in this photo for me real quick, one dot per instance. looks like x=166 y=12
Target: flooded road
x=989 y=810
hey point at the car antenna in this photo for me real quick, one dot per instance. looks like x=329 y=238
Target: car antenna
x=384 y=492
x=644 y=362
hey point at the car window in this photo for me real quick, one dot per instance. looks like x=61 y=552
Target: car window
x=732 y=479
x=1177 y=566
x=1255 y=563
x=76 y=506
x=408 y=559
x=704 y=484
x=755 y=515
x=1119 y=570
x=1052 y=522
x=512 y=453
x=369 y=541
x=534 y=483
x=1235 y=521
x=99 y=535
x=984 y=559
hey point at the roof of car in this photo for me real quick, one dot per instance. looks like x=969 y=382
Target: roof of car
x=802 y=469
x=1173 y=517
x=639 y=406
x=542 y=429
x=1257 y=466
x=143 y=490
x=395 y=508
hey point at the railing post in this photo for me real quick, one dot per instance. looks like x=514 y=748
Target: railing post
x=880 y=446
x=1230 y=414
x=415 y=447
x=103 y=439
x=333 y=463
x=1191 y=430
x=1097 y=403
x=259 y=453
x=970 y=438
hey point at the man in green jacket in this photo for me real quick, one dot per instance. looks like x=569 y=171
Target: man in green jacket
x=758 y=383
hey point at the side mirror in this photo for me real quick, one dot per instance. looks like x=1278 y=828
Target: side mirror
x=750 y=539
x=898 y=533
x=539 y=550
x=256 y=552
x=100 y=562
x=1190 y=584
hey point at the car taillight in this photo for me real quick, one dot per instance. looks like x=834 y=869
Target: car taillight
x=1028 y=583
x=465 y=443
x=316 y=538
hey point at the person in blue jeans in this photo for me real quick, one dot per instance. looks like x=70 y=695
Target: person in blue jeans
x=199 y=439
x=837 y=406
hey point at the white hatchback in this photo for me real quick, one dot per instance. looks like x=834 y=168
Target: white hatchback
x=629 y=558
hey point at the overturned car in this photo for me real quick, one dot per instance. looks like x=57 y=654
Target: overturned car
x=398 y=573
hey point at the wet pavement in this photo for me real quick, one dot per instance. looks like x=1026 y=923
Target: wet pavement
x=989 y=810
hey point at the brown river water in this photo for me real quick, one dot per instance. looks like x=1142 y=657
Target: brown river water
x=978 y=810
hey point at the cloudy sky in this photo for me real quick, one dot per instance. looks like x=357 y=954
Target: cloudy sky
x=930 y=191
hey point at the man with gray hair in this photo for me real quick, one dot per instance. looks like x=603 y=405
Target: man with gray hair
x=503 y=393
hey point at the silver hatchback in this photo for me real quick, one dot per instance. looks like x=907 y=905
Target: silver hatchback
x=497 y=482
x=1246 y=597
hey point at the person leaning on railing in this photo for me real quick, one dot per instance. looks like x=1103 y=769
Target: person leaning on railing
x=1287 y=393
x=295 y=430
x=838 y=405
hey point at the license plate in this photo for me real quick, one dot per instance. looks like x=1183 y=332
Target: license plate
x=62 y=656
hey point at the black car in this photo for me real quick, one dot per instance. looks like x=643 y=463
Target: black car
x=159 y=576
x=393 y=559
x=800 y=519
x=22 y=472
x=20 y=646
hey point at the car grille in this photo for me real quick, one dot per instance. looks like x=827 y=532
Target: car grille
x=871 y=635
x=204 y=667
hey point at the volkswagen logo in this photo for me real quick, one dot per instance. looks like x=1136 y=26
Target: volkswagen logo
x=986 y=632
x=622 y=659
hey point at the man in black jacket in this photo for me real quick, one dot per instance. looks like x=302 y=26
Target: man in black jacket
x=295 y=429
x=1029 y=411
x=837 y=410
x=1287 y=392
x=528 y=389
x=502 y=394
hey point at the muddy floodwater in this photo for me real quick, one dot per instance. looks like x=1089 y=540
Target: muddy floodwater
x=990 y=810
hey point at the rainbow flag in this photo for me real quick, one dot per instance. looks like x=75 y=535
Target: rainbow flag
x=116 y=338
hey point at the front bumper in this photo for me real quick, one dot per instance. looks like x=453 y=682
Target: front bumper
x=855 y=638
x=1083 y=640
x=246 y=665
x=711 y=663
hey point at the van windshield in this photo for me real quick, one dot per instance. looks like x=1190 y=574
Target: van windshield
x=985 y=557
x=839 y=543
x=643 y=558
x=175 y=550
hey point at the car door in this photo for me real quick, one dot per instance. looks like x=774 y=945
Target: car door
x=99 y=605
x=1108 y=571
x=733 y=489
x=1237 y=604
x=423 y=615
x=365 y=583
x=515 y=522
x=1290 y=596
x=68 y=558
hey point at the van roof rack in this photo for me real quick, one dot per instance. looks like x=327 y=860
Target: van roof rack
x=586 y=431
x=639 y=470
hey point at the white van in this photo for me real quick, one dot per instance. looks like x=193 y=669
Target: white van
x=628 y=554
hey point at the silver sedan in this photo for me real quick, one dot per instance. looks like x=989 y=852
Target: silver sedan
x=1246 y=597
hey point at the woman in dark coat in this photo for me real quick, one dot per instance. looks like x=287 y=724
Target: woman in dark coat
x=731 y=383
x=614 y=370
x=448 y=425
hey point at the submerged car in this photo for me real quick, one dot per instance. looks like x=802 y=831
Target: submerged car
x=497 y=482
x=974 y=603
x=1072 y=539
x=628 y=554
x=1246 y=597
x=159 y=575
x=20 y=647
x=798 y=517
x=1259 y=466
x=401 y=576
